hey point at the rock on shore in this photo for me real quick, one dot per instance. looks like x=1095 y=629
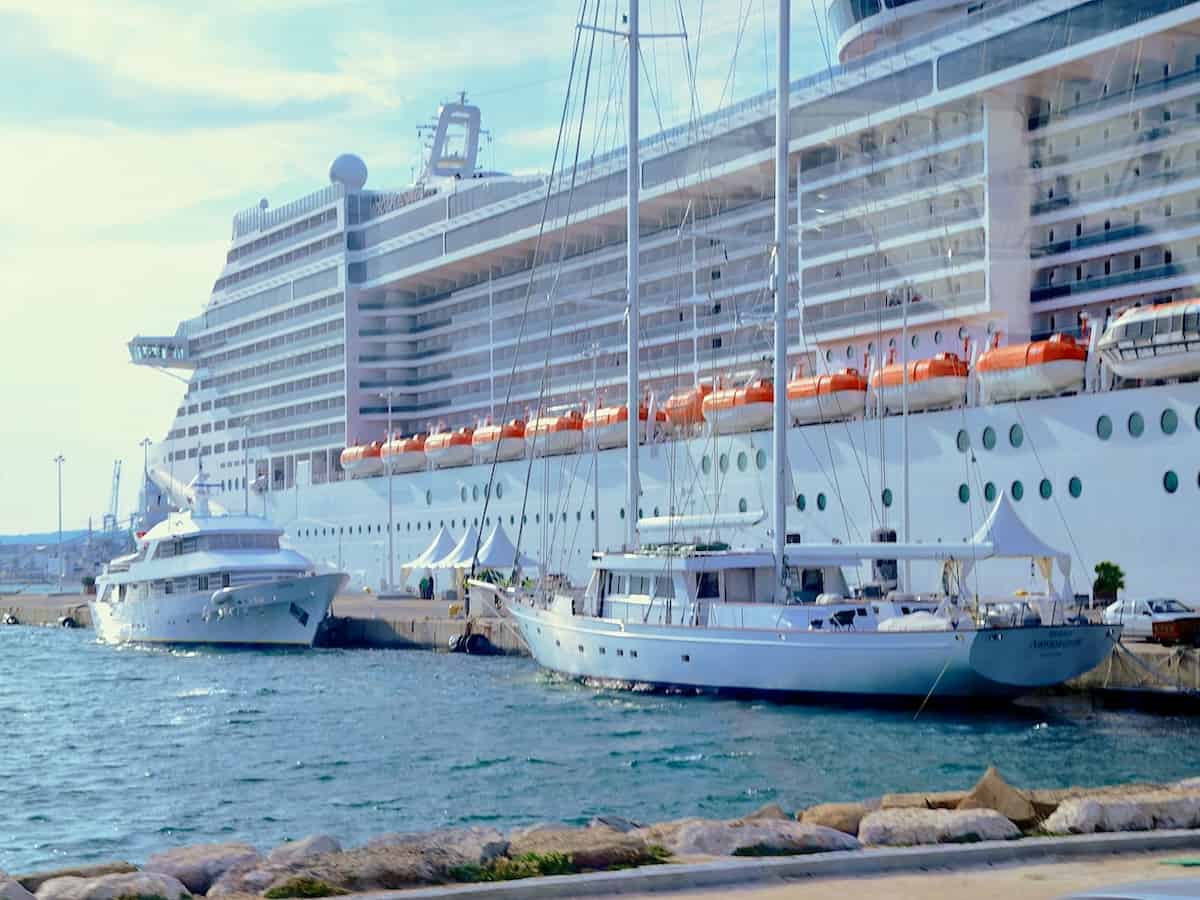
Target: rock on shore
x=110 y=887
x=1134 y=812
x=199 y=867
x=909 y=827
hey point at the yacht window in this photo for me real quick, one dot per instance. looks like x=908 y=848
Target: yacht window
x=639 y=584
x=169 y=587
x=181 y=584
x=189 y=545
x=664 y=586
x=224 y=579
x=202 y=582
x=739 y=586
x=707 y=586
x=812 y=581
x=165 y=550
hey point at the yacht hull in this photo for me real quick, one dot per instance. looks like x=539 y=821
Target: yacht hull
x=285 y=612
x=945 y=665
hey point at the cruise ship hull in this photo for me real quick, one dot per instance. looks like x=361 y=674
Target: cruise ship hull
x=945 y=665
x=286 y=612
x=1099 y=498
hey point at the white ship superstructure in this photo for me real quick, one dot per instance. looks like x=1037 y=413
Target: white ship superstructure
x=1001 y=172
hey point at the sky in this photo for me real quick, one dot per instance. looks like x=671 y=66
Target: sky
x=133 y=131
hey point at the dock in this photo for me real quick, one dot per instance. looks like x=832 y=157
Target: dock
x=1137 y=673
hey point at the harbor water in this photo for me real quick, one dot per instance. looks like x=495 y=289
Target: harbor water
x=114 y=753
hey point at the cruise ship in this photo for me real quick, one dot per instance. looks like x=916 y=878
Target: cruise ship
x=982 y=193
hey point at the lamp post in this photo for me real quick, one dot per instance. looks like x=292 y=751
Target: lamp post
x=144 y=443
x=62 y=566
x=391 y=521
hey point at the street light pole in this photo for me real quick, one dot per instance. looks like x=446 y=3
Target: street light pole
x=62 y=566
x=144 y=443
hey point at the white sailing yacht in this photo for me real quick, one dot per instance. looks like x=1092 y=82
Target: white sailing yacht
x=784 y=619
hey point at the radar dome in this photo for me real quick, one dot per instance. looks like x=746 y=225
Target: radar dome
x=349 y=171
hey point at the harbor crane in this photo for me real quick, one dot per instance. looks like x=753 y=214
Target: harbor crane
x=110 y=517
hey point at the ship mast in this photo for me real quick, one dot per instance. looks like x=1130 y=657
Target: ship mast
x=633 y=180
x=779 y=421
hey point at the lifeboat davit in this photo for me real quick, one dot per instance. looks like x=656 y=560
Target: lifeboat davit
x=936 y=382
x=608 y=426
x=740 y=409
x=685 y=409
x=825 y=398
x=552 y=435
x=505 y=441
x=451 y=448
x=1035 y=369
x=362 y=460
x=405 y=454
x=1154 y=342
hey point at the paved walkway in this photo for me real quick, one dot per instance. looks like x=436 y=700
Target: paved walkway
x=1041 y=881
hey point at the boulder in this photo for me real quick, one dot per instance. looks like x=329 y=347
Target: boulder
x=303 y=850
x=843 y=817
x=910 y=827
x=772 y=812
x=616 y=823
x=923 y=800
x=200 y=866
x=1136 y=812
x=762 y=837
x=35 y=880
x=398 y=861
x=12 y=890
x=109 y=887
x=588 y=848
x=993 y=792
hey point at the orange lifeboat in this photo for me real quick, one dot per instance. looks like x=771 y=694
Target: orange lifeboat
x=936 y=382
x=740 y=409
x=405 y=454
x=685 y=409
x=823 y=398
x=608 y=426
x=451 y=448
x=505 y=441
x=552 y=435
x=363 y=460
x=1036 y=369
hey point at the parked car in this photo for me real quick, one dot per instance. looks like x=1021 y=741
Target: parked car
x=1139 y=616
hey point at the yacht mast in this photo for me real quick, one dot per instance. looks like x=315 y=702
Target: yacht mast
x=779 y=410
x=633 y=180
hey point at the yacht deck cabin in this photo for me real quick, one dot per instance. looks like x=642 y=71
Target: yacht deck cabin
x=710 y=585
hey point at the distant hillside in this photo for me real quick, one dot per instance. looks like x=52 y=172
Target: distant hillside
x=46 y=537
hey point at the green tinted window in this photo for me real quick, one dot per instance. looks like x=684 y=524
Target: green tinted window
x=820 y=501
x=963 y=441
x=1075 y=486
x=1104 y=428
x=989 y=492
x=800 y=502
x=964 y=493
x=1045 y=488
x=742 y=505
x=706 y=463
x=723 y=462
x=760 y=459
x=886 y=496
x=1136 y=424
x=743 y=461
x=989 y=437
x=1016 y=436
x=1169 y=421
x=1018 y=490
x=1170 y=482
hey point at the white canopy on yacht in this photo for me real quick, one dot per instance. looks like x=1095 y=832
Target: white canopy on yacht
x=442 y=544
x=498 y=552
x=1010 y=538
x=463 y=550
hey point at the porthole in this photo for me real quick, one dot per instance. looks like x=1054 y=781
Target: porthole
x=1018 y=490
x=801 y=503
x=937 y=337
x=1168 y=421
x=1136 y=424
x=656 y=512
x=475 y=493
x=886 y=497
x=622 y=512
x=1170 y=481
x=593 y=515
x=962 y=332
x=1196 y=419
x=828 y=356
x=429 y=498
x=1075 y=486
x=964 y=493
x=1104 y=428
x=760 y=459
x=989 y=492
x=1016 y=435
x=742 y=461
x=742 y=505
x=499 y=491
x=916 y=339
x=463 y=493
x=706 y=464
x=963 y=441
x=1045 y=488
x=821 y=501
x=850 y=352
x=723 y=462
x=989 y=437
